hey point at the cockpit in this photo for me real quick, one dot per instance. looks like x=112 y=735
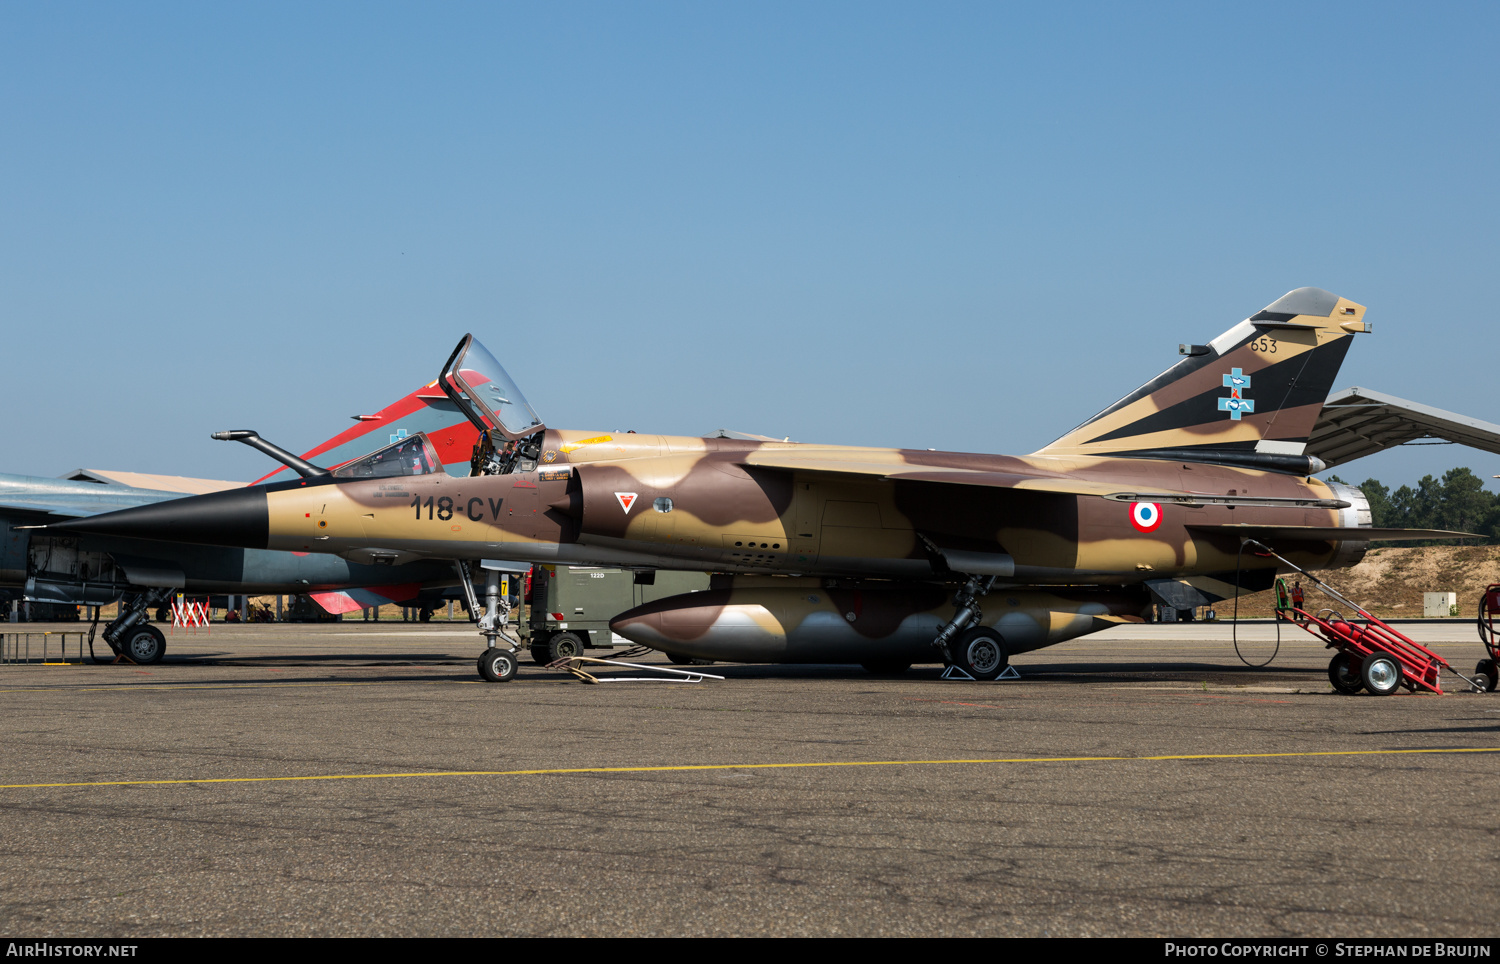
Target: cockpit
x=510 y=431
x=413 y=455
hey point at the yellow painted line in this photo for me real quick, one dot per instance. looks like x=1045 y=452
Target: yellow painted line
x=234 y=686
x=749 y=766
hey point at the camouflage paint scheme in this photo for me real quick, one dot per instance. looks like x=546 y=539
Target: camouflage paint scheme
x=898 y=528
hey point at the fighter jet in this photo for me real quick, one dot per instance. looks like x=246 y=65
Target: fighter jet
x=100 y=569
x=829 y=553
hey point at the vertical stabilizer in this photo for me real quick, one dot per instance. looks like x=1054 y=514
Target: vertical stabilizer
x=1249 y=397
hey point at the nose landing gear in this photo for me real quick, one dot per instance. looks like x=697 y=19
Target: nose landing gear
x=498 y=663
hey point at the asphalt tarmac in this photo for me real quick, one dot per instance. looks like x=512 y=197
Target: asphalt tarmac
x=359 y=779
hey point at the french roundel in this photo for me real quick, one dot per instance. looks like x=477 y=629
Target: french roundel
x=1145 y=516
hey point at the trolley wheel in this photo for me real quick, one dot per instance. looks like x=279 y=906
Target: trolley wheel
x=564 y=645
x=981 y=653
x=1381 y=674
x=497 y=665
x=1488 y=675
x=1342 y=675
x=144 y=644
x=887 y=667
x=541 y=651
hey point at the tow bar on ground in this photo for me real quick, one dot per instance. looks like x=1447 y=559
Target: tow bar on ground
x=1372 y=655
x=575 y=665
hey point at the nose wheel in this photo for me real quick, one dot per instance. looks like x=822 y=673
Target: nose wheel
x=497 y=665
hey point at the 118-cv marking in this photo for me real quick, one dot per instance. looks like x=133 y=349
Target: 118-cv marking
x=444 y=507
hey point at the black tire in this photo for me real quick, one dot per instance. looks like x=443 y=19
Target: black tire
x=1487 y=674
x=425 y=616
x=541 y=651
x=981 y=652
x=564 y=645
x=887 y=667
x=497 y=665
x=164 y=614
x=144 y=644
x=1342 y=675
x=1381 y=674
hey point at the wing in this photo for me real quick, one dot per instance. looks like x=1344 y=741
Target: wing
x=67 y=498
x=1335 y=532
x=811 y=464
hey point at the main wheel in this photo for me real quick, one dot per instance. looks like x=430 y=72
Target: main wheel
x=1487 y=674
x=497 y=665
x=981 y=652
x=1342 y=675
x=887 y=667
x=144 y=644
x=541 y=650
x=1381 y=674
x=566 y=644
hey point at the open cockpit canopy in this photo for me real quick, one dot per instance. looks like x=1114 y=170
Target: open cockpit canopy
x=480 y=387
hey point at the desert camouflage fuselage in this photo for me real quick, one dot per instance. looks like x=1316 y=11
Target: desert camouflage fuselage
x=860 y=549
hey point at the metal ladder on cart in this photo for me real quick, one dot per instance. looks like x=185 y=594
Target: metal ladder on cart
x=1370 y=655
x=1488 y=670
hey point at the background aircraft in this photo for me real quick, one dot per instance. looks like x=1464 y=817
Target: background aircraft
x=88 y=569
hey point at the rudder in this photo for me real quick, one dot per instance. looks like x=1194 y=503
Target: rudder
x=1249 y=397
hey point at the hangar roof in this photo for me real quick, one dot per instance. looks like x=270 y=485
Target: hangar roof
x=1357 y=422
x=160 y=483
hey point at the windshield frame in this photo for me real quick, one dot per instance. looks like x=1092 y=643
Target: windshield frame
x=471 y=401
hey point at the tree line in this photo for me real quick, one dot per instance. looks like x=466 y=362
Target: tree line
x=1458 y=502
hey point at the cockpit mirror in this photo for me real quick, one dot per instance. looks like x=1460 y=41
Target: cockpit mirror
x=482 y=390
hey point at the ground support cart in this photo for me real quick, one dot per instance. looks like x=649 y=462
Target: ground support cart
x=1488 y=670
x=1370 y=655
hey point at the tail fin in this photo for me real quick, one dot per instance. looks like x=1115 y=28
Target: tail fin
x=1249 y=397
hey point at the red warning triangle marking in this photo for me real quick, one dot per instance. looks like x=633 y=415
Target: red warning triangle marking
x=627 y=499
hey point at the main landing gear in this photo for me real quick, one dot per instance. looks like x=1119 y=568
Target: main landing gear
x=501 y=657
x=978 y=652
x=130 y=637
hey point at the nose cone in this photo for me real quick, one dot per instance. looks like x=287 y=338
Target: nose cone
x=236 y=517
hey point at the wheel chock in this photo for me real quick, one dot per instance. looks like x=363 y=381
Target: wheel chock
x=959 y=673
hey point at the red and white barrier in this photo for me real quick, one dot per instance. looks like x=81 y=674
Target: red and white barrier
x=190 y=614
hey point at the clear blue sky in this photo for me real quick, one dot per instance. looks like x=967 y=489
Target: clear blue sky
x=961 y=226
